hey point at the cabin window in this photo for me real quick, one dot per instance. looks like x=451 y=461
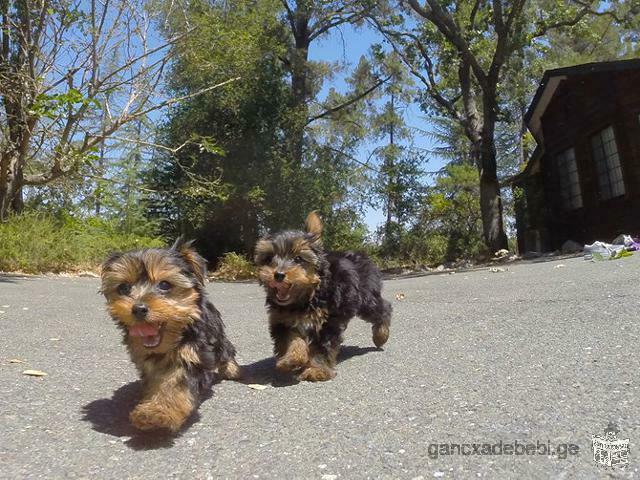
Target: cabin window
x=605 y=154
x=570 y=193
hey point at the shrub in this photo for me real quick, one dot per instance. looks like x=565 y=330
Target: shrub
x=233 y=266
x=38 y=243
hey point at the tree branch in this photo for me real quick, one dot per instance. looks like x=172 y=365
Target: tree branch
x=586 y=9
x=429 y=81
x=434 y=12
x=91 y=141
x=349 y=102
x=290 y=16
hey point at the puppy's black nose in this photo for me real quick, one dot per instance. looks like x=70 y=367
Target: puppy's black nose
x=140 y=310
x=279 y=276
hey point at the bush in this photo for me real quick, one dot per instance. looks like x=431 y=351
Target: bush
x=233 y=266
x=38 y=243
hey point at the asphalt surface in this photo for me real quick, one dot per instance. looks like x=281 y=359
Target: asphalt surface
x=540 y=353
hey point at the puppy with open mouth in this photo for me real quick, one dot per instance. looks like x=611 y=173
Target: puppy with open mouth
x=174 y=334
x=311 y=295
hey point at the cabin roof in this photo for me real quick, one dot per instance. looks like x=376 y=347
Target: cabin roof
x=553 y=78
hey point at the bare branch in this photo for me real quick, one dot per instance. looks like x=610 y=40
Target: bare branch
x=290 y=16
x=434 y=12
x=328 y=25
x=349 y=102
x=171 y=101
x=429 y=80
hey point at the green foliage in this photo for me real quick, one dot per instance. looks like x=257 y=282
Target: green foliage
x=54 y=105
x=452 y=211
x=37 y=243
x=250 y=183
x=448 y=226
x=230 y=172
x=344 y=230
x=233 y=266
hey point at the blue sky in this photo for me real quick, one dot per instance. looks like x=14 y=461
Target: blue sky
x=347 y=45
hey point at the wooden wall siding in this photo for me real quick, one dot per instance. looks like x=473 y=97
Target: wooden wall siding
x=581 y=107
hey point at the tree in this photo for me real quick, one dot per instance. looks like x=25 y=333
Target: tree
x=396 y=179
x=459 y=51
x=63 y=67
x=281 y=151
x=224 y=147
x=451 y=210
x=309 y=21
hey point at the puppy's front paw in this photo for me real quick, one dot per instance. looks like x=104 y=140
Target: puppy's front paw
x=150 y=416
x=317 y=374
x=297 y=356
x=289 y=363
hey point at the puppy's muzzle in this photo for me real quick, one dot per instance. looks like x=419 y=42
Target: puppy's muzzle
x=140 y=311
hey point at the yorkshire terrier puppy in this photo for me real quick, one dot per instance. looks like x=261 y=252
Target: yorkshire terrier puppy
x=174 y=335
x=312 y=295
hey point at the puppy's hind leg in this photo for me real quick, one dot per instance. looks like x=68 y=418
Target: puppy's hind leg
x=321 y=366
x=378 y=313
x=230 y=370
x=228 y=367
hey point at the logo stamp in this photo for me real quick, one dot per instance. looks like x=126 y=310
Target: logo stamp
x=608 y=450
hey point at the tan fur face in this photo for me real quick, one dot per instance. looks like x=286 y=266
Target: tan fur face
x=288 y=263
x=162 y=283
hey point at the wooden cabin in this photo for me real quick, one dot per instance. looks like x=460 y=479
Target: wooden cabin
x=582 y=183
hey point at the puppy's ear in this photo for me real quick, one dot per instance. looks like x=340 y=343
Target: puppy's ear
x=263 y=252
x=194 y=260
x=108 y=263
x=106 y=269
x=314 y=225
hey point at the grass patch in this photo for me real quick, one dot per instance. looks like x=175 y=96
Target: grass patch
x=233 y=266
x=39 y=243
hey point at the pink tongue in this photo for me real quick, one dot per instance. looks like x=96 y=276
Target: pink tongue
x=143 y=330
x=282 y=288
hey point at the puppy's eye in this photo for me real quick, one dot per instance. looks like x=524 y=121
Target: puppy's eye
x=298 y=259
x=268 y=259
x=124 y=289
x=164 y=286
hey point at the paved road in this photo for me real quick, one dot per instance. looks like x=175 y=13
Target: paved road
x=538 y=353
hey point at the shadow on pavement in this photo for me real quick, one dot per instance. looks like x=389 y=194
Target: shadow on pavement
x=111 y=416
x=264 y=371
x=351 y=351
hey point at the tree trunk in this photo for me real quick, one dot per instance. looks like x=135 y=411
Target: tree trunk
x=491 y=209
x=390 y=170
x=299 y=83
x=490 y=199
x=10 y=186
x=16 y=186
x=19 y=126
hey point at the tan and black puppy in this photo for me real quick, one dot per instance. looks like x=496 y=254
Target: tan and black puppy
x=174 y=335
x=312 y=295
